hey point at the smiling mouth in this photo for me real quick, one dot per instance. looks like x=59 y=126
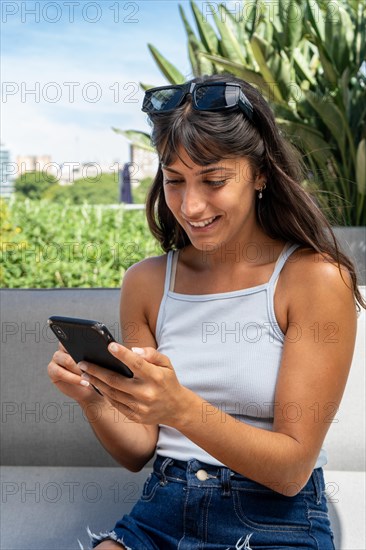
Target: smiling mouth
x=203 y=223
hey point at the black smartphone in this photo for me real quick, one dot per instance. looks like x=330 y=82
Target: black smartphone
x=87 y=340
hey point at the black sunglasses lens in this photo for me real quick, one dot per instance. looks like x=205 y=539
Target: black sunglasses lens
x=217 y=97
x=214 y=96
x=162 y=100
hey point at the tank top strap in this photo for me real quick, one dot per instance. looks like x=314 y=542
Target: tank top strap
x=288 y=249
x=171 y=267
x=168 y=271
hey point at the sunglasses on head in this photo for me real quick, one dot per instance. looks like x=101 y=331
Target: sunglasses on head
x=209 y=96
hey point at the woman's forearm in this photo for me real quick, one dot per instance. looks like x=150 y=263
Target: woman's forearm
x=273 y=459
x=129 y=443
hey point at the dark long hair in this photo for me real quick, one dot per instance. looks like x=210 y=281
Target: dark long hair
x=285 y=212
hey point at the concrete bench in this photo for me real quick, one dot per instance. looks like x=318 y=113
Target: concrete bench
x=57 y=479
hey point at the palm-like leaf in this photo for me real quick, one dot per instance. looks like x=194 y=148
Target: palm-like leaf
x=137 y=138
x=168 y=69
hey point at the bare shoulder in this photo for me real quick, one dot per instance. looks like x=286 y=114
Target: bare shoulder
x=142 y=291
x=315 y=279
x=147 y=275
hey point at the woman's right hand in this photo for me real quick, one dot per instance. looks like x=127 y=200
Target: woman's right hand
x=66 y=376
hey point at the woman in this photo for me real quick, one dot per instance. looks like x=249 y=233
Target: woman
x=243 y=336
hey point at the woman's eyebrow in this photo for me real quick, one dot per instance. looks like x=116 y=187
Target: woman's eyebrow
x=169 y=169
x=207 y=170
x=214 y=169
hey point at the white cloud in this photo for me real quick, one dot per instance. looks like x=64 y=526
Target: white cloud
x=75 y=127
x=64 y=141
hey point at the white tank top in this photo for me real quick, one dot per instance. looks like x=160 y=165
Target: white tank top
x=227 y=348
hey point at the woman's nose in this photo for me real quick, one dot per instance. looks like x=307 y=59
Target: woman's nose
x=193 y=202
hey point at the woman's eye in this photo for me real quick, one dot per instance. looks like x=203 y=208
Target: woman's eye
x=210 y=183
x=171 y=182
x=216 y=183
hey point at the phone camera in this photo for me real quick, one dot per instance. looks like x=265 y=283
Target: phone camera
x=60 y=332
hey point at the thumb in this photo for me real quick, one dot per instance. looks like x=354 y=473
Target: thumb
x=153 y=356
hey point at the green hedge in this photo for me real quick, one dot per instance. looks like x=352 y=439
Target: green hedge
x=48 y=245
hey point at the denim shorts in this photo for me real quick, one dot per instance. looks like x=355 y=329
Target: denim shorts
x=196 y=506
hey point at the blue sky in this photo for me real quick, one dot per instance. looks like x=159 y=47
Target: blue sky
x=84 y=60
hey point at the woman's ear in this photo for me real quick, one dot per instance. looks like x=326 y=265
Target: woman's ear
x=260 y=181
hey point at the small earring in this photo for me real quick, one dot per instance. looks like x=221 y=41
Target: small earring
x=260 y=194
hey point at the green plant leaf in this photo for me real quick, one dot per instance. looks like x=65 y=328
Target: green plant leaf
x=331 y=117
x=146 y=86
x=313 y=15
x=206 y=32
x=361 y=167
x=200 y=62
x=264 y=69
x=199 y=65
x=193 y=58
x=308 y=140
x=354 y=4
x=137 y=138
x=339 y=36
x=278 y=75
x=229 y=43
x=360 y=41
x=190 y=33
x=169 y=71
x=254 y=16
x=293 y=26
x=302 y=67
x=315 y=25
x=243 y=72
x=238 y=29
x=329 y=70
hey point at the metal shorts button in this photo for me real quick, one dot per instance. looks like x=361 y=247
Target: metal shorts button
x=202 y=475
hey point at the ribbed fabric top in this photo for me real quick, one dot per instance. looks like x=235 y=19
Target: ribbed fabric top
x=227 y=348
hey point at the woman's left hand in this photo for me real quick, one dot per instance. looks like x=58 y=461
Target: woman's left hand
x=152 y=396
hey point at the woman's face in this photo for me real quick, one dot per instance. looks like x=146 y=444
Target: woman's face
x=215 y=204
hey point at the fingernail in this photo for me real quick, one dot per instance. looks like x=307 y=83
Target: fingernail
x=83 y=366
x=85 y=376
x=113 y=346
x=139 y=351
x=84 y=383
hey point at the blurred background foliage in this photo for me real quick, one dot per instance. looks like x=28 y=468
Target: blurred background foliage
x=34 y=184
x=103 y=189
x=307 y=57
x=45 y=246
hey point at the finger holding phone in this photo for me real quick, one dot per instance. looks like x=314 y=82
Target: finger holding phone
x=131 y=444
x=66 y=376
x=154 y=394
x=81 y=340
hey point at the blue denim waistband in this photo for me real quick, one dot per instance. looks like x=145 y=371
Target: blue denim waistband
x=200 y=474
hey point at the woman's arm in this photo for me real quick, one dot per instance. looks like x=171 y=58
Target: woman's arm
x=131 y=444
x=316 y=358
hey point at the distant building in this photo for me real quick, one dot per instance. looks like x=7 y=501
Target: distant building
x=6 y=173
x=143 y=164
x=38 y=163
x=72 y=171
x=89 y=170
